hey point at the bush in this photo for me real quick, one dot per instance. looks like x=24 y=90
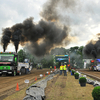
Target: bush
x=76 y=74
x=69 y=69
x=73 y=71
x=96 y=93
x=82 y=80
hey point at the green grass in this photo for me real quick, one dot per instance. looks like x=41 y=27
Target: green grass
x=68 y=88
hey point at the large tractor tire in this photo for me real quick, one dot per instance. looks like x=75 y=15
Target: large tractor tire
x=23 y=71
x=26 y=71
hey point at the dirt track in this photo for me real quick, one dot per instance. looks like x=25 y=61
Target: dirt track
x=95 y=73
x=8 y=83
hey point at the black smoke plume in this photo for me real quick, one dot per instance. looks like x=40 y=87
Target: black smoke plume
x=16 y=38
x=52 y=8
x=92 y=49
x=40 y=37
x=5 y=40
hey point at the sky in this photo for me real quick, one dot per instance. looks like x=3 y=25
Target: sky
x=83 y=17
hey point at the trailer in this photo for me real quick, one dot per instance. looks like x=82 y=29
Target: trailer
x=9 y=64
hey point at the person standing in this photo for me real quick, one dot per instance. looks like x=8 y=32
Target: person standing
x=65 y=73
x=61 y=69
x=50 y=67
x=54 y=68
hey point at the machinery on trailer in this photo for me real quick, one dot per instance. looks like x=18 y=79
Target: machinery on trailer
x=39 y=66
x=9 y=64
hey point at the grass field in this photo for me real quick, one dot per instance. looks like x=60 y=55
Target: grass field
x=68 y=88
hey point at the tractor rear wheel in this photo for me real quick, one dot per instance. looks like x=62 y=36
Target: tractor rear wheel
x=23 y=71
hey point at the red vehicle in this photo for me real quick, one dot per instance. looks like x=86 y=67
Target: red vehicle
x=93 y=65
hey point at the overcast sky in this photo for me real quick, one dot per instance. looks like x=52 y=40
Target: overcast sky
x=84 y=20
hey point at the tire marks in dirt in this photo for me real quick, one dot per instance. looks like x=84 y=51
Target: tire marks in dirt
x=8 y=84
x=50 y=84
x=57 y=88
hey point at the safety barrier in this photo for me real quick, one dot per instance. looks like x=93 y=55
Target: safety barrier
x=90 y=81
x=36 y=91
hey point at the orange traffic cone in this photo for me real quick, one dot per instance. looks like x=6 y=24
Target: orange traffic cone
x=17 y=87
x=36 y=79
x=44 y=75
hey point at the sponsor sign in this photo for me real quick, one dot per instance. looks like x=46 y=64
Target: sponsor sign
x=5 y=62
x=61 y=58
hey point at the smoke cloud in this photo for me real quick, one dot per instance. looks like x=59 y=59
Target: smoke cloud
x=40 y=37
x=48 y=33
x=92 y=49
x=52 y=9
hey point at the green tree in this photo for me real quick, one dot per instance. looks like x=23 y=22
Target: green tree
x=76 y=57
x=21 y=55
x=47 y=61
x=74 y=49
x=80 y=50
x=44 y=63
